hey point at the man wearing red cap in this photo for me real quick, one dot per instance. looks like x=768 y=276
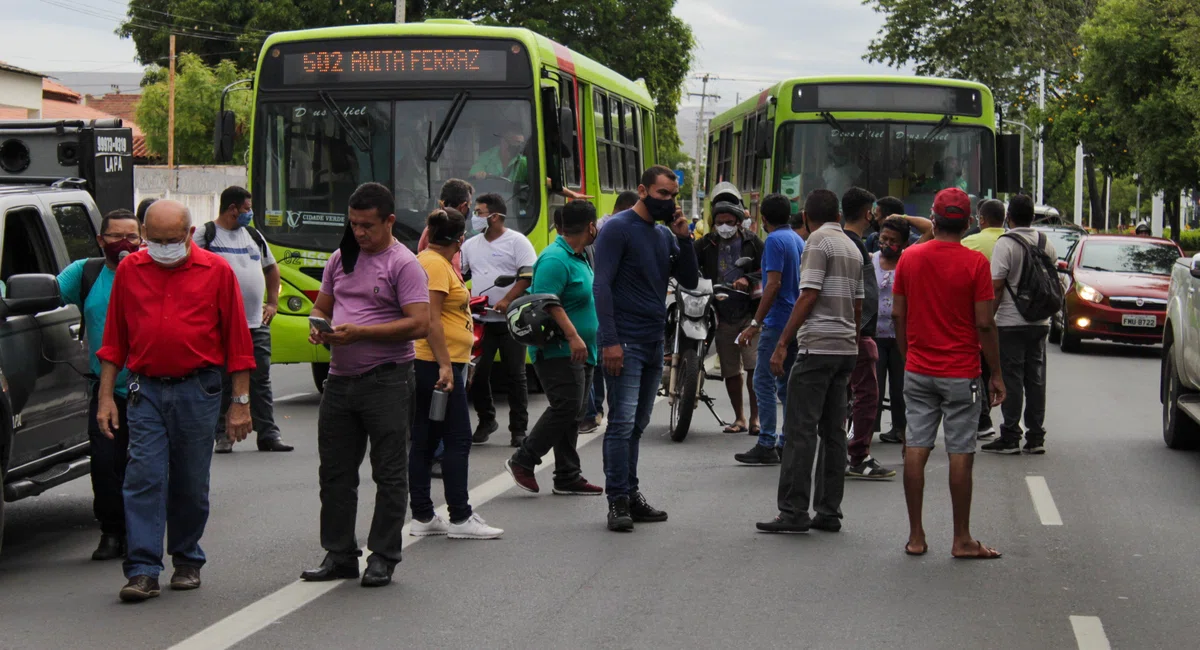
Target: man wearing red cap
x=942 y=312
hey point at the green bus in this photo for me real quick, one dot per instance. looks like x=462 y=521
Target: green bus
x=906 y=137
x=411 y=106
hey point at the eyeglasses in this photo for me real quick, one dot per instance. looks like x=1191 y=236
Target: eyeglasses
x=132 y=238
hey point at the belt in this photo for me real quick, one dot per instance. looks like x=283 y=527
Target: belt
x=383 y=367
x=178 y=380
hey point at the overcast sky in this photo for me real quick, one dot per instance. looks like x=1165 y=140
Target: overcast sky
x=738 y=39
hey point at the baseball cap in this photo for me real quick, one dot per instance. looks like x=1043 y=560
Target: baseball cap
x=952 y=203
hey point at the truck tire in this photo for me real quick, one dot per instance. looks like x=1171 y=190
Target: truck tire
x=320 y=372
x=1180 y=431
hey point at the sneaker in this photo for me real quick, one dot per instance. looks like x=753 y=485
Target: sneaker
x=517 y=440
x=435 y=526
x=1002 y=446
x=484 y=431
x=590 y=426
x=579 y=488
x=826 y=523
x=474 y=528
x=781 y=525
x=642 y=511
x=224 y=446
x=619 y=518
x=759 y=455
x=985 y=433
x=1036 y=448
x=521 y=476
x=893 y=437
x=869 y=469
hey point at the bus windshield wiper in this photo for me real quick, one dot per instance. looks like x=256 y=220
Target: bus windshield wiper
x=438 y=143
x=828 y=117
x=939 y=127
x=355 y=135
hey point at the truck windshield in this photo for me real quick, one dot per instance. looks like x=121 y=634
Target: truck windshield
x=910 y=161
x=308 y=164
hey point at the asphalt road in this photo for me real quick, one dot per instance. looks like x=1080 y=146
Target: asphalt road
x=1121 y=563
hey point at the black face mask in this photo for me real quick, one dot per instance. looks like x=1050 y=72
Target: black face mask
x=890 y=252
x=660 y=209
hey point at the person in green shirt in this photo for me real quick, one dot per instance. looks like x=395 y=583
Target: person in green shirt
x=991 y=222
x=564 y=368
x=506 y=160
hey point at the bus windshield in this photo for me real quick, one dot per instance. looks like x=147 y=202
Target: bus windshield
x=308 y=162
x=910 y=161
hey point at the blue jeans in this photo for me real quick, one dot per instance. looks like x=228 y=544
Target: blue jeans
x=630 y=403
x=595 y=402
x=453 y=436
x=171 y=426
x=767 y=387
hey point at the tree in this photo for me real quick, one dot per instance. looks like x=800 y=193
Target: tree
x=639 y=39
x=197 y=98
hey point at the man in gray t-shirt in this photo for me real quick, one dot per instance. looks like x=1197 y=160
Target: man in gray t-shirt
x=828 y=317
x=1022 y=342
x=231 y=236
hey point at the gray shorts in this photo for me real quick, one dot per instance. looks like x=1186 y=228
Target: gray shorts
x=950 y=402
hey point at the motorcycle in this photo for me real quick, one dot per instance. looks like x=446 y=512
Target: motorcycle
x=479 y=308
x=691 y=327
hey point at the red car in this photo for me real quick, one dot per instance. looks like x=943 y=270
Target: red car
x=1116 y=290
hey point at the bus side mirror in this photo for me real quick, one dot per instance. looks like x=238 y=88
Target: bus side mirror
x=764 y=140
x=1008 y=163
x=223 y=137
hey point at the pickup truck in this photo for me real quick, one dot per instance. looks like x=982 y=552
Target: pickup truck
x=1179 y=389
x=44 y=392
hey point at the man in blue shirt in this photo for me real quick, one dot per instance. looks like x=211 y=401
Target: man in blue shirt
x=635 y=257
x=781 y=288
x=87 y=285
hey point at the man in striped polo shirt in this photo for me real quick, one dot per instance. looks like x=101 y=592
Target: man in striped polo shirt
x=827 y=316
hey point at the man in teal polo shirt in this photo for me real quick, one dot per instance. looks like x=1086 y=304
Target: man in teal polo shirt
x=87 y=285
x=564 y=368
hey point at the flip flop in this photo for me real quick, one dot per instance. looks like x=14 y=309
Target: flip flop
x=987 y=553
x=908 y=552
x=754 y=431
x=735 y=428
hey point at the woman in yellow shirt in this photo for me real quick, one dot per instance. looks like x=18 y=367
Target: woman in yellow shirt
x=441 y=365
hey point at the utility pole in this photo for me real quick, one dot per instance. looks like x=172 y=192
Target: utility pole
x=400 y=10
x=700 y=143
x=1041 y=150
x=171 y=108
x=1107 y=197
x=1079 y=184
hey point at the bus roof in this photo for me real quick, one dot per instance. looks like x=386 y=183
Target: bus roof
x=543 y=49
x=782 y=88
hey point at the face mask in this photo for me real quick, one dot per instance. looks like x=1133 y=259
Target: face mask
x=660 y=209
x=245 y=218
x=748 y=224
x=113 y=250
x=891 y=252
x=479 y=224
x=167 y=254
x=726 y=231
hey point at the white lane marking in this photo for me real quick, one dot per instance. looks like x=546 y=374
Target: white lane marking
x=1089 y=633
x=288 y=398
x=1042 y=501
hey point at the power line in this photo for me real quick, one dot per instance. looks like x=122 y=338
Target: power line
x=184 y=18
x=149 y=24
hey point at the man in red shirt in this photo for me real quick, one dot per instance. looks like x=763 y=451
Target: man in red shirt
x=175 y=320
x=942 y=312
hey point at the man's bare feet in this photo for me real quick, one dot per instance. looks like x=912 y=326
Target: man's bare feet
x=974 y=550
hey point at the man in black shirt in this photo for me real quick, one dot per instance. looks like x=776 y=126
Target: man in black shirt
x=864 y=384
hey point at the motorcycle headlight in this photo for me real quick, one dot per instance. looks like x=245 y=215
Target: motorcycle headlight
x=1088 y=293
x=693 y=306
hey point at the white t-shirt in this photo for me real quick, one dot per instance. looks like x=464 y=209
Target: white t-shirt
x=241 y=250
x=1007 y=259
x=488 y=260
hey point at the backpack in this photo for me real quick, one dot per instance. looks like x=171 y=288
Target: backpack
x=1039 y=293
x=91 y=271
x=210 y=232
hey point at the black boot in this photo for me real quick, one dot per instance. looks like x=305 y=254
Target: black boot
x=619 y=518
x=643 y=512
x=111 y=547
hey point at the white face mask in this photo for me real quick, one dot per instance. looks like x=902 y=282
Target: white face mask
x=167 y=254
x=747 y=223
x=478 y=223
x=726 y=231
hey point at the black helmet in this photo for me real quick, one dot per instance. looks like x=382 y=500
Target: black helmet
x=529 y=322
x=728 y=208
x=1143 y=228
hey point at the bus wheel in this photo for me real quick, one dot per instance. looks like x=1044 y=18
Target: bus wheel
x=320 y=372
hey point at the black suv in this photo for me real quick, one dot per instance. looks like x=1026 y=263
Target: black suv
x=43 y=359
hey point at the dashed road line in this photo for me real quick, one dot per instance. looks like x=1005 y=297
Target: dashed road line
x=1089 y=633
x=1042 y=501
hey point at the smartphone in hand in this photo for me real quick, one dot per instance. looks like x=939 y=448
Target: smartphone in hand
x=320 y=324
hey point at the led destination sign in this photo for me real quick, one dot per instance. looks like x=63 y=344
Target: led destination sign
x=329 y=65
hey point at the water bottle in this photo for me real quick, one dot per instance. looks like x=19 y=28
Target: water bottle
x=437 y=405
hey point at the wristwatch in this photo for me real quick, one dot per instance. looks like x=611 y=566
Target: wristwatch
x=755 y=324
x=240 y=399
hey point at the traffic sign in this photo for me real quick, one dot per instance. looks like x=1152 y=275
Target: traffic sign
x=679 y=175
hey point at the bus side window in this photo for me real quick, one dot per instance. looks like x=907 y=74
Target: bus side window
x=567 y=99
x=604 y=150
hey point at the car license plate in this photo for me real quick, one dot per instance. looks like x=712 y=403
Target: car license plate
x=1137 y=320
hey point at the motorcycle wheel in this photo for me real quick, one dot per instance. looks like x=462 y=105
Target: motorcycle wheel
x=687 y=387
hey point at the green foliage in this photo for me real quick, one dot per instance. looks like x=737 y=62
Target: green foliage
x=197 y=99
x=638 y=38
x=676 y=158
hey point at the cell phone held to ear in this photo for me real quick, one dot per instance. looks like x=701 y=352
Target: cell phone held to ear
x=320 y=324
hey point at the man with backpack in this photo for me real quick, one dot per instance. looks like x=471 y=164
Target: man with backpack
x=1028 y=293
x=232 y=237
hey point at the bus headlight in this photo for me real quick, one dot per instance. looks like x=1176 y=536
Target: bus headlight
x=295 y=303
